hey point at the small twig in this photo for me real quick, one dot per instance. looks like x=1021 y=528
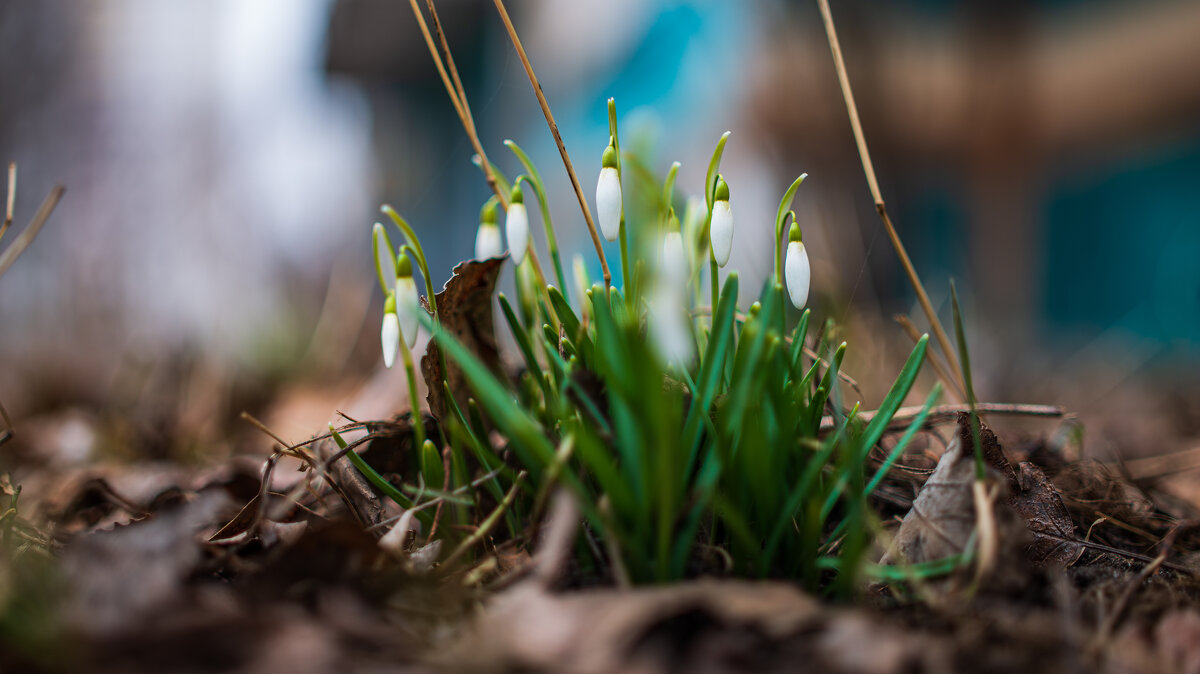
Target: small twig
x=935 y=359
x=488 y=524
x=562 y=149
x=10 y=255
x=852 y=109
x=437 y=514
x=12 y=198
x=943 y=413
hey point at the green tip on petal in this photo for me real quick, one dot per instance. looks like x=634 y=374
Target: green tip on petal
x=609 y=160
x=487 y=214
x=518 y=196
x=389 y=304
x=403 y=266
x=722 y=189
x=794 y=233
x=672 y=221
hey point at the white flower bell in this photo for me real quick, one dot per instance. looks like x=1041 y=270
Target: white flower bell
x=516 y=224
x=407 y=305
x=673 y=269
x=670 y=331
x=796 y=270
x=721 y=228
x=488 y=243
x=608 y=194
x=389 y=335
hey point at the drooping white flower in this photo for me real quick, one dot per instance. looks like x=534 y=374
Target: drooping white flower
x=608 y=194
x=488 y=243
x=674 y=268
x=670 y=331
x=407 y=304
x=516 y=225
x=721 y=228
x=796 y=270
x=389 y=335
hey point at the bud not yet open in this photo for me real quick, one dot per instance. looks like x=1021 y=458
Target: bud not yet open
x=721 y=228
x=389 y=334
x=407 y=305
x=796 y=270
x=608 y=195
x=488 y=243
x=516 y=225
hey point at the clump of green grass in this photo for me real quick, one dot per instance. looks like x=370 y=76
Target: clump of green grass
x=686 y=431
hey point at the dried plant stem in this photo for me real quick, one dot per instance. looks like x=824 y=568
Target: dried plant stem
x=10 y=255
x=944 y=413
x=939 y=366
x=922 y=297
x=12 y=198
x=458 y=96
x=488 y=524
x=562 y=149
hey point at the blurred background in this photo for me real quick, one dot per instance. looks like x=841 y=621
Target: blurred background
x=225 y=160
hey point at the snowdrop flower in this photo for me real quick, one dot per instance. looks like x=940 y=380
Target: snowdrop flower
x=674 y=266
x=721 y=229
x=796 y=270
x=516 y=224
x=389 y=335
x=406 y=299
x=608 y=194
x=670 y=331
x=487 y=240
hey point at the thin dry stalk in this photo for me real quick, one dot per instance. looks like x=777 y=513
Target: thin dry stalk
x=458 y=97
x=10 y=255
x=939 y=366
x=457 y=94
x=12 y=198
x=923 y=297
x=945 y=413
x=562 y=149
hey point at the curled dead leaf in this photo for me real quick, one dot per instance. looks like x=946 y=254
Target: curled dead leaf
x=465 y=310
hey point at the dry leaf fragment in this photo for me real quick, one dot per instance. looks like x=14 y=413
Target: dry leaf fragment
x=465 y=311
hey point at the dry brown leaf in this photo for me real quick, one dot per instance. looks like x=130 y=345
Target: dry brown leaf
x=942 y=520
x=465 y=310
x=1038 y=503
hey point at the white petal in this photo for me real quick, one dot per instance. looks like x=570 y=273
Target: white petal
x=797 y=273
x=608 y=203
x=674 y=262
x=488 y=243
x=721 y=232
x=389 y=336
x=670 y=333
x=516 y=224
x=407 y=307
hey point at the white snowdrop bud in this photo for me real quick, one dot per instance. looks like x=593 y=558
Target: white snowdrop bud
x=670 y=331
x=674 y=270
x=608 y=195
x=796 y=270
x=487 y=240
x=407 y=305
x=389 y=335
x=516 y=223
x=720 y=231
